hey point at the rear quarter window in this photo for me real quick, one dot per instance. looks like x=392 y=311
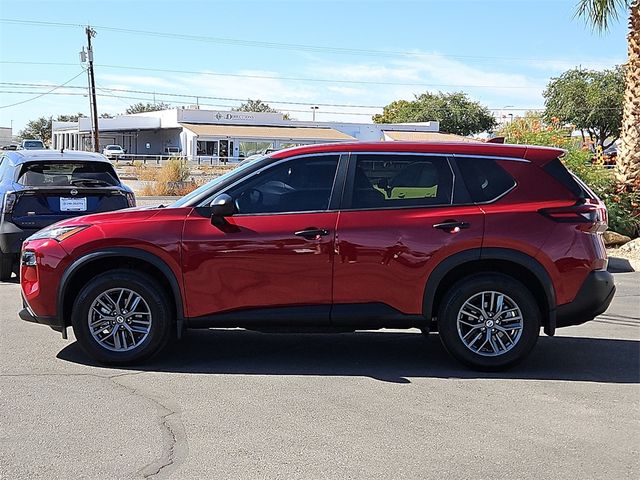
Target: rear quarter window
x=485 y=180
x=558 y=171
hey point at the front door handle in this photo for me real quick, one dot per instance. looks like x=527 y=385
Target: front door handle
x=312 y=233
x=452 y=226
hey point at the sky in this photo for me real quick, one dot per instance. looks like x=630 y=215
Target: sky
x=348 y=57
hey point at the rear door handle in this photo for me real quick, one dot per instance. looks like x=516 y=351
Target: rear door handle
x=452 y=226
x=312 y=233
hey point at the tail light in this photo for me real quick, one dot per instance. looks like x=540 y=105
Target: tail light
x=131 y=199
x=10 y=199
x=591 y=217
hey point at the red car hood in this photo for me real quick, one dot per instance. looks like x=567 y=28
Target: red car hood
x=135 y=214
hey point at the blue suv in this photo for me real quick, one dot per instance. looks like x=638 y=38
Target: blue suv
x=41 y=187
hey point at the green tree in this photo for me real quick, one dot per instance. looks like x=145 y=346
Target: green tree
x=69 y=118
x=455 y=112
x=599 y=13
x=147 y=107
x=258 y=106
x=590 y=100
x=40 y=128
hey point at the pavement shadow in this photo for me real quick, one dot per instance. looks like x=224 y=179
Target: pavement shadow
x=386 y=356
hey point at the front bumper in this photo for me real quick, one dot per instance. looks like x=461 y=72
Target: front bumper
x=28 y=315
x=592 y=299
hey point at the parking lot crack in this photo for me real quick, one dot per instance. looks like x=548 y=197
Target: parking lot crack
x=174 y=440
x=175 y=448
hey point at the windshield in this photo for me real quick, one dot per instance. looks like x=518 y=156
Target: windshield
x=114 y=147
x=67 y=174
x=208 y=186
x=33 y=144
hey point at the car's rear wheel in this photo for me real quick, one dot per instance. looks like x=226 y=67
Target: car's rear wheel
x=122 y=317
x=489 y=321
x=6 y=266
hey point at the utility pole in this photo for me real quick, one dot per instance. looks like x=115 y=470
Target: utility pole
x=96 y=137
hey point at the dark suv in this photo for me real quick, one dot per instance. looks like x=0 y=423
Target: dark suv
x=485 y=243
x=41 y=187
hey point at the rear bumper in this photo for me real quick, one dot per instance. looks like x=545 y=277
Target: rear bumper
x=592 y=299
x=12 y=236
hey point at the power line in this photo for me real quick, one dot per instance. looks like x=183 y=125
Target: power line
x=279 y=77
x=43 y=94
x=263 y=44
x=208 y=97
x=241 y=100
x=174 y=102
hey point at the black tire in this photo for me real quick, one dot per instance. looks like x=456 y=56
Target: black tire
x=487 y=358
x=6 y=266
x=154 y=299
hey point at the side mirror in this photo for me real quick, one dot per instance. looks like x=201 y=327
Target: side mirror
x=222 y=206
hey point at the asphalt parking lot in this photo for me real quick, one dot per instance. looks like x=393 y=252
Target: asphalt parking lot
x=392 y=404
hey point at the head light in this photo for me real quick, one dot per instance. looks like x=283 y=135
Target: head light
x=57 y=233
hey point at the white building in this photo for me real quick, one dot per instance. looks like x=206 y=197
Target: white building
x=220 y=134
x=5 y=136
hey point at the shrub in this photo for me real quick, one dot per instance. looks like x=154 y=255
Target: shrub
x=169 y=180
x=532 y=130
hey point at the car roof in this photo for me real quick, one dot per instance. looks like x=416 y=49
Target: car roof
x=22 y=156
x=535 y=154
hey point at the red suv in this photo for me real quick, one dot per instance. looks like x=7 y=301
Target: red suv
x=484 y=243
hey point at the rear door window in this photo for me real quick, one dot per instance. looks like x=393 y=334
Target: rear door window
x=394 y=180
x=67 y=174
x=485 y=179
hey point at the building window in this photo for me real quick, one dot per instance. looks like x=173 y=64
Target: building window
x=251 y=148
x=209 y=148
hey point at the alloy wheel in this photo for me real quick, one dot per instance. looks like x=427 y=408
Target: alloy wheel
x=489 y=323
x=119 y=319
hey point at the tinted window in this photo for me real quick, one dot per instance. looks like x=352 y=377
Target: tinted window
x=43 y=174
x=557 y=170
x=298 y=185
x=33 y=144
x=484 y=178
x=396 y=180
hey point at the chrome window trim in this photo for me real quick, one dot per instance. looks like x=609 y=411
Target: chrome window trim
x=209 y=199
x=487 y=202
x=207 y=202
x=491 y=157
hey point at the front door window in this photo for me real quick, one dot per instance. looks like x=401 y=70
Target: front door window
x=299 y=185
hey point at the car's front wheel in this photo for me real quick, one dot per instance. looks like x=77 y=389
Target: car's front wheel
x=489 y=321
x=122 y=317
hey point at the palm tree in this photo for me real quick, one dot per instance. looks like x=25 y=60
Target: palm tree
x=599 y=13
